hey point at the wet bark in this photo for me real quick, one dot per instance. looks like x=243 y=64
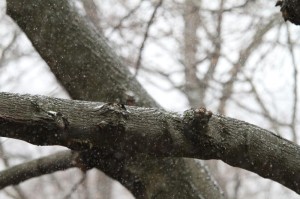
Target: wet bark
x=89 y=70
x=128 y=132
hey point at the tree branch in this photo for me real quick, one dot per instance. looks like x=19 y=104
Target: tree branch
x=49 y=164
x=89 y=70
x=129 y=131
x=145 y=37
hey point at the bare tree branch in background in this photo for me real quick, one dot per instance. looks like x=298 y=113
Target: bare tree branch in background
x=92 y=13
x=151 y=20
x=17 y=189
x=244 y=55
x=129 y=14
x=295 y=87
x=190 y=43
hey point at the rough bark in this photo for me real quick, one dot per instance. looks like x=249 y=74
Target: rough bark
x=76 y=52
x=89 y=70
x=130 y=131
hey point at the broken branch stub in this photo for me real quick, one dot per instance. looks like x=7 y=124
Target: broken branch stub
x=195 y=123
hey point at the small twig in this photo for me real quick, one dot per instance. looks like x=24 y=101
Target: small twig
x=75 y=186
x=295 y=88
x=150 y=22
x=125 y=17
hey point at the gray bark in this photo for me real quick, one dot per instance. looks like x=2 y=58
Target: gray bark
x=131 y=131
x=89 y=70
x=19 y=173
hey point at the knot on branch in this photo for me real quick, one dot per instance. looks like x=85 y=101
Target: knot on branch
x=60 y=121
x=195 y=122
x=118 y=110
x=113 y=124
x=290 y=10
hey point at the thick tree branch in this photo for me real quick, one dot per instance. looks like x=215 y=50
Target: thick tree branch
x=128 y=131
x=89 y=70
x=76 y=52
x=83 y=125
